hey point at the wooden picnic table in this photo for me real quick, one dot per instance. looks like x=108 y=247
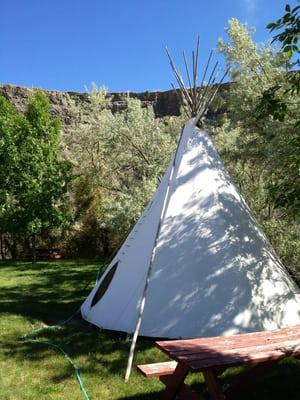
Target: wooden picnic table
x=212 y=356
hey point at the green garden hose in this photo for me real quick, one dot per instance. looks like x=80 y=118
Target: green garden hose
x=59 y=349
x=30 y=338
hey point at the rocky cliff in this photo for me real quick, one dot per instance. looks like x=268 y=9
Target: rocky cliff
x=164 y=103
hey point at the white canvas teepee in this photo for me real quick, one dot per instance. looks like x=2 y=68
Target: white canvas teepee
x=196 y=263
x=212 y=271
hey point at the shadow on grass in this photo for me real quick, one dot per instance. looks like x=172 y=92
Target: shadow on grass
x=50 y=291
x=281 y=382
x=101 y=357
x=104 y=351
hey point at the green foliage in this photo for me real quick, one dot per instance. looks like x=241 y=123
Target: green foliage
x=270 y=102
x=35 y=178
x=290 y=26
x=261 y=152
x=9 y=125
x=273 y=145
x=118 y=160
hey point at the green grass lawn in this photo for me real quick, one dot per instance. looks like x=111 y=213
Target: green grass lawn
x=34 y=296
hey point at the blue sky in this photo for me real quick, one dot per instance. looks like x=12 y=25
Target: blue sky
x=67 y=44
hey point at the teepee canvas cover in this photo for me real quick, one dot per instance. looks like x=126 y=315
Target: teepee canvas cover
x=213 y=271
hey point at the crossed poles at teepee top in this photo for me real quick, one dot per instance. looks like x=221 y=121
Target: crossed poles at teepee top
x=195 y=98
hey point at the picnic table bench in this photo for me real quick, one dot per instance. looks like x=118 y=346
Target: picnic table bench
x=213 y=355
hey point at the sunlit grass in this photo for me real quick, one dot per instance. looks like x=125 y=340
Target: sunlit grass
x=34 y=296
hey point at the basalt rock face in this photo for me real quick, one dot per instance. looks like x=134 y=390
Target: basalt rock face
x=58 y=100
x=164 y=103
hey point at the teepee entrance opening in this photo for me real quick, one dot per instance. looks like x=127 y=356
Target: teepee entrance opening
x=106 y=281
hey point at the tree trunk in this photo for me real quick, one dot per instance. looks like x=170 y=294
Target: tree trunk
x=106 y=244
x=33 y=249
x=13 y=247
x=269 y=211
x=2 y=249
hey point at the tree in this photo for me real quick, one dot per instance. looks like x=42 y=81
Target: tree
x=9 y=125
x=289 y=36
x=262 y=153
x=273 y=143
x=270 y=102
x=36 y=184
x=118 y=160
x=286 y=192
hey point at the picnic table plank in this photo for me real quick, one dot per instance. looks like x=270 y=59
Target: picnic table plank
x=243 y=359
x=199 y=353
x=158 y=369
x=220 y=341
x=234 y=344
